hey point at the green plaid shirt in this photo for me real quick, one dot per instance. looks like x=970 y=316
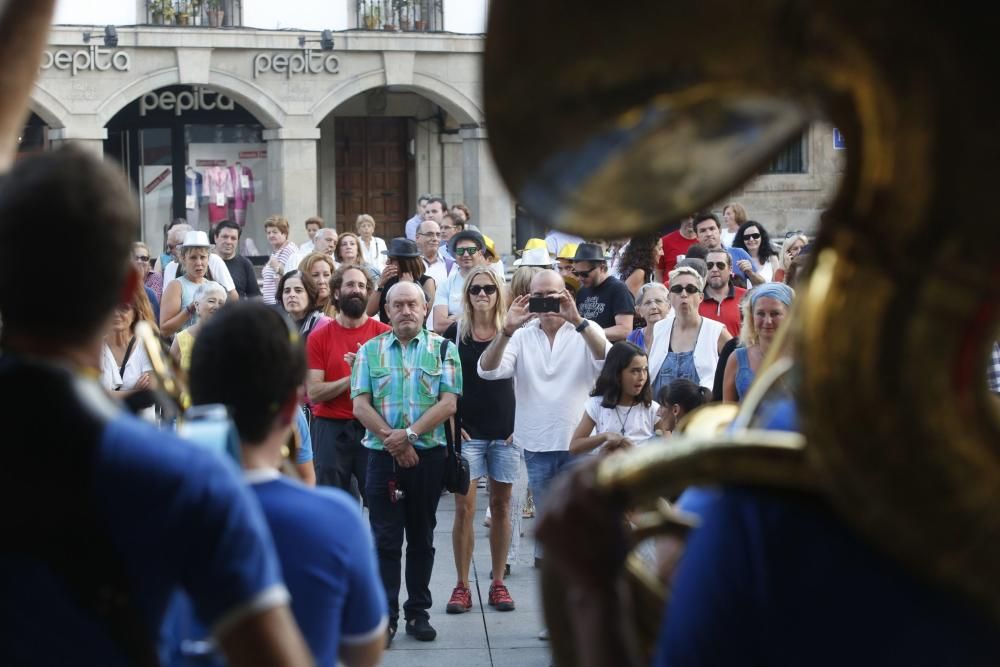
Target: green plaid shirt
x=406 y=383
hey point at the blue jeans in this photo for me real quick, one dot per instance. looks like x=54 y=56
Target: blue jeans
x=542 y=469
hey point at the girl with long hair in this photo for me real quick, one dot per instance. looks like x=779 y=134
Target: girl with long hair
x=639 y=260
x=621 y=412
x=297 y=295
x=753 y=237
x=320 y=268
x=403 y=263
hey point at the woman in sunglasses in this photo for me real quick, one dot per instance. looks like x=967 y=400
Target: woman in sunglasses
x=686 y=345
x=752 y=237
x=763 y=314
x=485 y=422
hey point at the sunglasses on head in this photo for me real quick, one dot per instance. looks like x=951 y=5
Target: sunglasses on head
x=490 y=290
x=797 y=232
x=470 y=251
x=583 y=274
x=677 y=289
x=142 y=258
x=753 y=237
x=721 y=266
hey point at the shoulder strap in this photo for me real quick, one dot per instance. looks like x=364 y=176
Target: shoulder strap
x=452 y=440
x=128 y=353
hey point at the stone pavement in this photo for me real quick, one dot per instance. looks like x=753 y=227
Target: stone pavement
x=481 y=637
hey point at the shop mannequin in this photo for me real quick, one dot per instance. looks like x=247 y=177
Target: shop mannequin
x=194 y=197
x=220 y=191
x=242 y=180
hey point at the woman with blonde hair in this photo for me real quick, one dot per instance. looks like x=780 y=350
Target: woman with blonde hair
x=125 y=367
x=733 y=215
x=765 y=310
x=320 y=268
x=142 y=258
x=178 y=312
x=485 y=423
x=790 y=248
x=372 y=247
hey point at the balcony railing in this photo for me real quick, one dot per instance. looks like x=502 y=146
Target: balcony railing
x=208 y=13
x=400 y=15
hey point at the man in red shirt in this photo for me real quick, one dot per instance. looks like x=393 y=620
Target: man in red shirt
x=677 y=243
x=722 y=298
x=336 y=434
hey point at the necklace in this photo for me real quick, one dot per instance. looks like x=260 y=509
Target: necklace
x=621 y=421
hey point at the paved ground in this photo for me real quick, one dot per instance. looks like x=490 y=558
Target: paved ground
x=481 y=637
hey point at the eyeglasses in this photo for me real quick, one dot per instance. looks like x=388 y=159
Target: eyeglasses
x=690 y=289
x=142 y=258
x=752 y=237
x=447 y=227
x=490 y=290
x=583 y=274
x=721 y=266
x=467 y=250
x=436 y=235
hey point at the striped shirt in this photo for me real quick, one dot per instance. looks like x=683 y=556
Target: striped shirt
x=406 y=383
x=270 y=284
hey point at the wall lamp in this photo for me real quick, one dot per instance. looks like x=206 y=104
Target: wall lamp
x=110 y=36
x=325 y=40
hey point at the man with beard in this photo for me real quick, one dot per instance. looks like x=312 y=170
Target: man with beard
x=336 y=435
x=405 y=385
x=722 y=297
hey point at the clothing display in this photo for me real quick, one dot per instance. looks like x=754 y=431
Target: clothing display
x=242 y=181
x=194 y=197
x=219 y=184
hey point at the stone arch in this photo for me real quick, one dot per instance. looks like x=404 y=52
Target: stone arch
x=48 y=107
x=250 y=96
x=459 y=105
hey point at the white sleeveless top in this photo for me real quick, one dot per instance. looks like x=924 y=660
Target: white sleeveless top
x=706 y=349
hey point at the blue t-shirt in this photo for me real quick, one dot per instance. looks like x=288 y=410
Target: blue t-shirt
x=328 y=563
x=775 y=578
x=179 y=517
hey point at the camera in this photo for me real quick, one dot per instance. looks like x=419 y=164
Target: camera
x=543 y=304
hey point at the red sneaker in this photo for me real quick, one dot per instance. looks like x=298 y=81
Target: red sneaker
x=500 y=598
x=461 y=600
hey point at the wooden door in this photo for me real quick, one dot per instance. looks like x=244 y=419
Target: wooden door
x=372 y=173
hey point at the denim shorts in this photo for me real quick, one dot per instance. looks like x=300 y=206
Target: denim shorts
x=495 y=458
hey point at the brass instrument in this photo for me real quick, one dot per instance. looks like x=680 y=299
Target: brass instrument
x=626 y=119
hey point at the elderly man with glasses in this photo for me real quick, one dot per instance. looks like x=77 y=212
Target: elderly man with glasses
x=602 y=298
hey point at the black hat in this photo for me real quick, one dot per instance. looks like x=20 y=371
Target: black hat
x=402 y=247
x=589 y=252
x=466 y=235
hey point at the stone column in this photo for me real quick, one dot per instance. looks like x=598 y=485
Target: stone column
x=292 y=176
x=485 y=193
x=90 y=138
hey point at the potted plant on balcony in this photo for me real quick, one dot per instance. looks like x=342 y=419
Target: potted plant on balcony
x=372 y=15
x=183 y=12
x=402 y=9
x=158 y=10
x=216 y=13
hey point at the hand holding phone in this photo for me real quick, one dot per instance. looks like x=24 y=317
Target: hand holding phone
x=543 y=304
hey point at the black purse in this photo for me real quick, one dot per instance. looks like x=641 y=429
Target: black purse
x=456 y=468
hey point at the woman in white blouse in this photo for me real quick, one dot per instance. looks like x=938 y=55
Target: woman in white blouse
x=372 y=246
x=620 y=412
x=125 y=368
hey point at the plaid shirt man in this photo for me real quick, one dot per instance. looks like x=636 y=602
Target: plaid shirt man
x=405 y=383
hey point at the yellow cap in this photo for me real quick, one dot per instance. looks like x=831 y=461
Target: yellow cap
x=533 y=244
x=568 y=251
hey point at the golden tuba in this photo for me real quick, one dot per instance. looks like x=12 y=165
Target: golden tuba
x=627 y=118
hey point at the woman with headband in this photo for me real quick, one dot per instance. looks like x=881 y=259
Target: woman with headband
x=763 y=314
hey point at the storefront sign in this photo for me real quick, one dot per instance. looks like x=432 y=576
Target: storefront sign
x=307 y=62
x=93 y=59
x=197 y=99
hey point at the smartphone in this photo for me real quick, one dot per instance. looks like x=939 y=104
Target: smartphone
x=543 y=304
x=210 y=426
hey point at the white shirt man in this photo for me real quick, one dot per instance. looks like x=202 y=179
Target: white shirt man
x=414 y=222
x=429 y=240
x=554 y=361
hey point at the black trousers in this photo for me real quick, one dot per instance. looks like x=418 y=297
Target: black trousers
x=338 y=454
x=416 y=513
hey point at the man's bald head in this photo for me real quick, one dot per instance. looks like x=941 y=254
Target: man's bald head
x=547 y=281
x=405 y=290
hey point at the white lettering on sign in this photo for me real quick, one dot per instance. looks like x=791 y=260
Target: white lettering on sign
x=196 y=99
x=94 y=59
x=307 y=62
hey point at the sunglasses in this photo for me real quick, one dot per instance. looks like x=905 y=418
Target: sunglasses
x=583 y=274
x=690 y=289
x=721 y=266
x=797 y=232
x=470 y=251
x=753 y=237
x=489 y=289
x=142 y=258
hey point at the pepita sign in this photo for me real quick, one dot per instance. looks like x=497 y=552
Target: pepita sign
x=93 y=59
x=196 y=99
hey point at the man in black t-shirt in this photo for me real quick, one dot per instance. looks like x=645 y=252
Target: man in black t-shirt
x=602 y=298
x=227 y=240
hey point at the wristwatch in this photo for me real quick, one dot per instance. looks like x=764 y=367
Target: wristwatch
x=411 y=436
x=582 y=325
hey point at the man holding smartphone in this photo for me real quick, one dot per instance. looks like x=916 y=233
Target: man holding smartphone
x=555 y=354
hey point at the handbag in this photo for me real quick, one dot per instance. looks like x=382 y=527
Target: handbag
x=456 y=468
